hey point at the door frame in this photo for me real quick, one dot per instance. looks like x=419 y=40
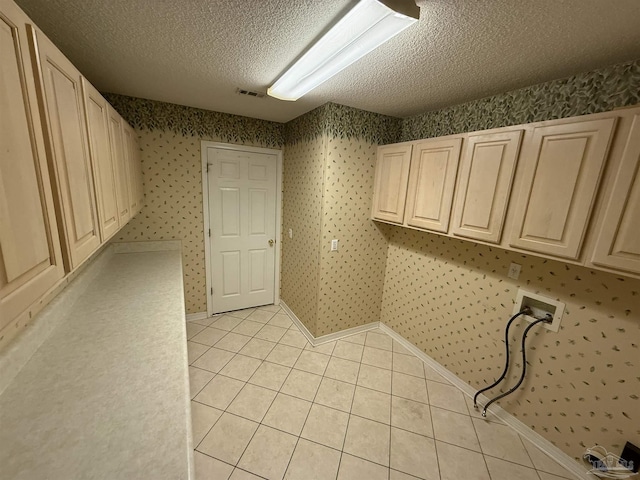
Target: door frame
x=204 y=145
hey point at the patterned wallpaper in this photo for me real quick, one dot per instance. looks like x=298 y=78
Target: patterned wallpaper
x=303 y=174
x=352 y=278
x=340 y=121
x=590 y=92
x=150 y=115
x=328 y=186
x=172 y=178
x=172 y=208
x=452 y=299
x=449 y=297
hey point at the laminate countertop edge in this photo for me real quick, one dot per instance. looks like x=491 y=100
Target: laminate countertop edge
x=106 y=393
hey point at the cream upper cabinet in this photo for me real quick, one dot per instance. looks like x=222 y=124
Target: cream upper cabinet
x=30 y=256
x=484 y=185
x=562 y=165
x=138 y=172
x=432 y=179
x=65 y=137
x=132 y=159
x=104 y=169
x=120 y=162
x=390 y=190
x=618 y=236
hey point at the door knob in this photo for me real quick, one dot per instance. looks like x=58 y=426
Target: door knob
x=271 y=243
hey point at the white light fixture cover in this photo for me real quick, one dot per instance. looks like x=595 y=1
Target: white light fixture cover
x=368 y=25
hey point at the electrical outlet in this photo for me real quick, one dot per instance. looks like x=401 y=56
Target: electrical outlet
x=514 y=270
x=334 y=245
x=290 y=233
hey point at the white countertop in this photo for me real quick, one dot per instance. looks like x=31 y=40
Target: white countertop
x=106 y=395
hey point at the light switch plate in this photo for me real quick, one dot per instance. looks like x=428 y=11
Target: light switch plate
x=290 y=233
x=514 y=270
x=334 y=245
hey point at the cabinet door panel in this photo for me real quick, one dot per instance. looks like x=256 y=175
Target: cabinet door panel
x=563 y=164
x=434 y=164
x=65 y=133
x=618 y=243
x=121 y=168
x=97 y=118
x=392 y=174
x=138 y=172
x=131 y=158
x=30 y=258
x=486 y=172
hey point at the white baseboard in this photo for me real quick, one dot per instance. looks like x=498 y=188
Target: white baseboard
x=538 y=440
x=331 y=337
x=196 y=316
x=495 y=410
x=305 y=331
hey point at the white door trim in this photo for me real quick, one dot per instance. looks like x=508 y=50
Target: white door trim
x=205 y=210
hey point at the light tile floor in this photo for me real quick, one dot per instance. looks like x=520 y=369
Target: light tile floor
x=267 y=404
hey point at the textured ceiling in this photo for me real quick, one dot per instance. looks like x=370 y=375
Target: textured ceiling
x=196 y=52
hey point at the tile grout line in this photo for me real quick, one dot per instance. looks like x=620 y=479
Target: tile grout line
x=306 y=418
x=331 y=355
x=435 y=441
x=231 y=402
x=337 y=380
x=391 y=410
x=233 y=467
x=535 y=467
x=346 y=431
x=323 y=375
x=485 y=455
x=260 y=422
x=223 y=411
x=256 y=430
x=271 y=404
x=204 y=386
x=216 y=374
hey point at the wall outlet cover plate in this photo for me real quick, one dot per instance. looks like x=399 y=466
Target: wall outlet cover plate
x=540 y=306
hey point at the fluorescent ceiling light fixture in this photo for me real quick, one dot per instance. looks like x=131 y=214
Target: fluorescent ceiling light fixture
x=367 y=26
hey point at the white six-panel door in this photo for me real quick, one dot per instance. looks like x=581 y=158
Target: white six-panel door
x=242 y=191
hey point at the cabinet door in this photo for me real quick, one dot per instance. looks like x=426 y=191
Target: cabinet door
x=132 y=160
x=618 y=242
x=434 y=164
x=65 y=136
x=390 y=191
x=30 y=257
x=138 y=167
x=486 y=173
x=97 y=119
x=120 y=162
x=562 y=168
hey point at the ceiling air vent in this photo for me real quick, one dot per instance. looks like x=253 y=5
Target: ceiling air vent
x=249 y=93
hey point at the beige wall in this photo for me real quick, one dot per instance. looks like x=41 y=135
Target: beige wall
x=452 y=299
x=329 y=163
x=169 y=138
x=449 y=297
x=172 y=177
x=352 y=278
x=327 y=191
x=303 y=174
